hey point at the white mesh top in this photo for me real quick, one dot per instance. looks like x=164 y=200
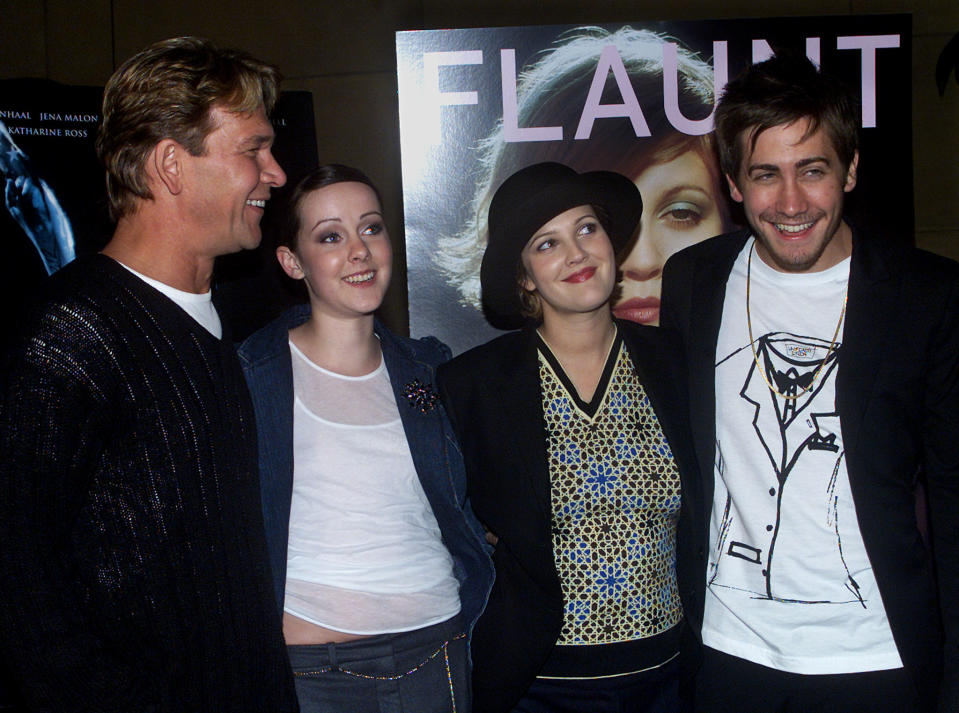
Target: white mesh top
x=365 y=554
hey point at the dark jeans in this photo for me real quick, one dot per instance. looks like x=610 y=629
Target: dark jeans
x=422 y=671
x=728 y=684
x=653 y=691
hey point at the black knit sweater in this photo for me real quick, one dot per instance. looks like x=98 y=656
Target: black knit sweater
x=133 y=568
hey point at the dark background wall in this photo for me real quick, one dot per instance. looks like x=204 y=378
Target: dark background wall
x=343 y=52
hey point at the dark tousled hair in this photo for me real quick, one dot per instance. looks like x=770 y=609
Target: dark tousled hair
x=321 y=177
x=780 y=91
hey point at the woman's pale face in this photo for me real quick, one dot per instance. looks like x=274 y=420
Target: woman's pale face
x=681 y=206
x=569 y=264
x=343 y=251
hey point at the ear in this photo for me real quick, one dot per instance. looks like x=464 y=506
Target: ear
x=528 y=284
x=734 y=189
x=167 y=157
x=289 y=263
x=852 y=173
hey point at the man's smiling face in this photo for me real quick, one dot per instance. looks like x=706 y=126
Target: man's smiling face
x=792 y=188
x=229 y=184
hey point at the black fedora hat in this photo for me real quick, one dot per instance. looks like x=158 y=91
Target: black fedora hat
x=529 y=199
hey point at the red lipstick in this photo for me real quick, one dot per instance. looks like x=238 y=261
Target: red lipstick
x=644 y=310
x=581 y=275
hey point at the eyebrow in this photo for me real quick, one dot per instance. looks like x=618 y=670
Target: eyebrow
x=337 y=219
x=685 y=187
x=589 y=214
x=543 y=234
x=257 y=141
x=813 y=159
x=802 y=163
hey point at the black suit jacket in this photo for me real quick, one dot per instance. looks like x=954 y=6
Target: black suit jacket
x=492 y=394
x=897 y=391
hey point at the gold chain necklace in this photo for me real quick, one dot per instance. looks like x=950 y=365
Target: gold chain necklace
x=752 y=343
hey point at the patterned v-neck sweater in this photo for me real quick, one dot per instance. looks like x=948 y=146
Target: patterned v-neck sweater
x=133 y=569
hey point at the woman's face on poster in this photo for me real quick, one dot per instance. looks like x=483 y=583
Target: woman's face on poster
x=681 y=206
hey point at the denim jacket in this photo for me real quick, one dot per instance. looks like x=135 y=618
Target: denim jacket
x=266 y=361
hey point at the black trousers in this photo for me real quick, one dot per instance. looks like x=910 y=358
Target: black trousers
x=655 y=690
x=728 y=684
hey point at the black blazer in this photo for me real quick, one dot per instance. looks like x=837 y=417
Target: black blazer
x=492 y=394
x=898 y=399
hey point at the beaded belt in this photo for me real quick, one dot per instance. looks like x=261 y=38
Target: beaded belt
x=395 y=677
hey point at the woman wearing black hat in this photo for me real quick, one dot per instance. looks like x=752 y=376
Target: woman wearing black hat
x=578 y=459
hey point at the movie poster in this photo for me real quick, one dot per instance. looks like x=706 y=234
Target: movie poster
x=54 y=199
x=478 y=104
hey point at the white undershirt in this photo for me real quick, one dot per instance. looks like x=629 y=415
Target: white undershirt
x=365 y=554
x=789 y=582
x=199 y=306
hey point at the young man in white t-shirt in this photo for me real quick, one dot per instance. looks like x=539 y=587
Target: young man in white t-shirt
x=824 y=373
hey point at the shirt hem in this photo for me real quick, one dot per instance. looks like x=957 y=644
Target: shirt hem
x=820 y=664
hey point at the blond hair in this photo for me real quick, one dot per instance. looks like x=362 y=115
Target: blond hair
x=168 y=91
